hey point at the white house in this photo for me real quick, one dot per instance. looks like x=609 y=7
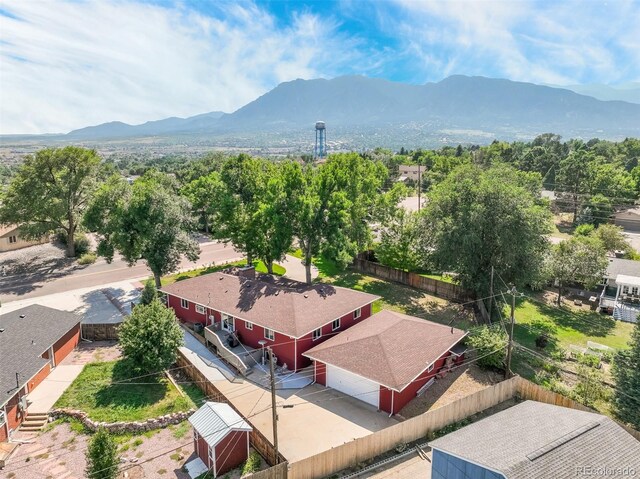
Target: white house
x=621 y=292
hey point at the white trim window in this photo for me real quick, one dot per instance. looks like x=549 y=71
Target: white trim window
x=634 y=290
x=269 y=334
x=200 y=309
x=13 y=239
x=248 y=325
x=184 y=304
x=317 y=334
x=430 y=368
x=625 y=290
x=335 y=325
x=357 y=313
x=3 y=419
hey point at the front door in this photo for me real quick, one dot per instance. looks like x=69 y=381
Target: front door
x=227 y=323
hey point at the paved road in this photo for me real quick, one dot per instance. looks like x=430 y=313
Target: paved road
x=23 y=286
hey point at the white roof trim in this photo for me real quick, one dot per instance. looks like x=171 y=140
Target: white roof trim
x=626 y=280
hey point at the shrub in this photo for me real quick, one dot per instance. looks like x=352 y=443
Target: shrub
x=80 y=240
x=150 y=337
x=590 y=360
x=584 y=229
x=87 y=258
x=149 y=293
x=102 y=456
x=489 y=343
x=252 y=464
x=589 y=389
x=542 y=341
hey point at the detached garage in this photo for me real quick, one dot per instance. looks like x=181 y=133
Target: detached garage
x=387 y=359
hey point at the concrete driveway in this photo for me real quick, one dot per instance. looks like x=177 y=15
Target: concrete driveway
x=54 y=385
x=409 y=467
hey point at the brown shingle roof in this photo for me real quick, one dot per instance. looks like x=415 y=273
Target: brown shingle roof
x=286 y=306
x=389 y=348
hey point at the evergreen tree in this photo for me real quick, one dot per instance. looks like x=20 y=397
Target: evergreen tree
x=149 y=293
x=626 y=371
x=102 y=456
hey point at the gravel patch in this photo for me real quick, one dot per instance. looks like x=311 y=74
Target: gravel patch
x=94 y=351
x=44 y=256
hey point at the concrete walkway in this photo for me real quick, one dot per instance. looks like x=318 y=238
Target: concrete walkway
x=295 y=269
x=54 y=385
x=213 y=368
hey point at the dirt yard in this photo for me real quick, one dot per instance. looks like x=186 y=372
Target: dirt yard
x=456 y=385
x=59 y=453
x=94 y=351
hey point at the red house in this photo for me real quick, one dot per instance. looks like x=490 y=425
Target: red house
x=220 y=437
x=288 y=316
x=387 y=359
x=33 y=341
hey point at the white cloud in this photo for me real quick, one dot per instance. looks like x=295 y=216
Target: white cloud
x=68 y=64
x=539 y=41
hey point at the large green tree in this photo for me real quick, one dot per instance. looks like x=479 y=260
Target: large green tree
x=150 y=336
x=480 y=218
x=50 y=191
x=626 y=371
x=399 y=237
x=581 y=259
x=148 y=220
x=204 y=194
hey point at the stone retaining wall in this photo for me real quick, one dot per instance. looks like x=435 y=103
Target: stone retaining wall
x=122 y=426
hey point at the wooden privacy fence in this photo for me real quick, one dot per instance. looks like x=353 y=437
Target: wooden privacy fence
x=368 y=447
x=439 y=288
x=99 y=332
x=352 y=453
x=258 y=440
x=279 y=471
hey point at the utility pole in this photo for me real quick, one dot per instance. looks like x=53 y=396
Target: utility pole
x=507 y=372
x=273 y=406
x=491 y=293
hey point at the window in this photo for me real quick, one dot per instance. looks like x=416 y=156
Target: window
x=357 y=313
x=625 y=289
x=195 y=435
x=2 y=419
x=317 y=334
x=634 y=290
x=200 y=309
x=268 y=334
x=430 y=368
x=13 y=239
x=184 y=303
x=335 y=325
x=248 y=325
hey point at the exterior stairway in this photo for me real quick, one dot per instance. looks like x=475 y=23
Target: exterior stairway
x=628 y=314
x=35 y=422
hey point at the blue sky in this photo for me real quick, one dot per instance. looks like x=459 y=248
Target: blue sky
x=65 y=64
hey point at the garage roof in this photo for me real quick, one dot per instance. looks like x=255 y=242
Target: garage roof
x=214 y=420
x=389 y=348
x=285 y=306
x=25 y=334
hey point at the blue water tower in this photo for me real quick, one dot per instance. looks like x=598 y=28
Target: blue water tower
x=321 y=140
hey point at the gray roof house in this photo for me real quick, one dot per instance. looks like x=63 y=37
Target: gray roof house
x=621 y=293
x=535 y=440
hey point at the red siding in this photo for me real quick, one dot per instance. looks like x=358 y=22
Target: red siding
x=201 y=448
x=39 y=377
x=66 y=344
x=320 y=371
x=287 y=350
x=231 y=451
x=14 y=418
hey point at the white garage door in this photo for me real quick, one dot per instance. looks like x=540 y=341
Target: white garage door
x=353 y=385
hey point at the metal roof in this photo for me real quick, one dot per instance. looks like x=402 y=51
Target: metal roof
x=214 y=420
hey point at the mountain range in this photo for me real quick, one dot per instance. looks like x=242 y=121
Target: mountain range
x=458 y=108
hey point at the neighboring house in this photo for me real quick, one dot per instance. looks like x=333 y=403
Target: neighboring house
x=387 y=359
x=621 y=292
x=288 y=316
x=410 y=172
x=628 y=219
x=33 y=341
x=535 y=440
x=10 y=239
x=220 y=437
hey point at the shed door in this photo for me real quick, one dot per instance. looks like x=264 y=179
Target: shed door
x=353 y=385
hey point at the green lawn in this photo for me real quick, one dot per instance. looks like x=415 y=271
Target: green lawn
x=404 y=299
x=326 y=267
x=566 y=326
x=260 y=268
x=445 y=278
x=92 y=393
